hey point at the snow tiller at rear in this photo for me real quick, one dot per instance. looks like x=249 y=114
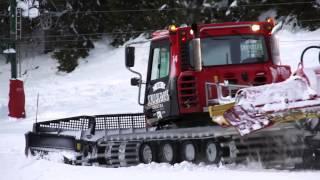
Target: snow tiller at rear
x=214 y=93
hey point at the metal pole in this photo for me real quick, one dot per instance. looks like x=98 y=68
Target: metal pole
x=16 y=103
x=12 y=41
x=37 y=108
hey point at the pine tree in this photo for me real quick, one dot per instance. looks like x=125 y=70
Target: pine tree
x=82 y=22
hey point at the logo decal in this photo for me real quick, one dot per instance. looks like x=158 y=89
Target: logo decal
x=158 y=85
x=158 y=98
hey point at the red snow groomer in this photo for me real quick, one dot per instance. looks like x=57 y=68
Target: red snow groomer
x=200 y=76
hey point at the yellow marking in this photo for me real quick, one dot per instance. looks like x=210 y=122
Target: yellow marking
x=216 y=113
x=78 y=146
x=218 y=110
x=294 y=115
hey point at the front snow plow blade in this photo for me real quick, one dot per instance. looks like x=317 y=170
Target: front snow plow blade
x=247 y=121
x=295 y=99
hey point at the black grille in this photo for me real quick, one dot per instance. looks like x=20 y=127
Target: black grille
x=99 y=122
x=120 y=121
x=73 y=123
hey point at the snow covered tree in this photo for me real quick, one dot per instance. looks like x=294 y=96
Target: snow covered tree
x=78 y=23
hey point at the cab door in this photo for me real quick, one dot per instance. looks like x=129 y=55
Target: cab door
x=157 y=97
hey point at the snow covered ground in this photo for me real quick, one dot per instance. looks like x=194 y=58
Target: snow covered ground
x=103 y=86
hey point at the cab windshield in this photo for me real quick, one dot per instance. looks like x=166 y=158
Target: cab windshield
x=224 y=50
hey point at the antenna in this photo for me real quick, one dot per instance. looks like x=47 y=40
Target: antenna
x=37 y=107
x=195 y=29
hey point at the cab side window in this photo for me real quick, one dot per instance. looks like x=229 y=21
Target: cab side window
x=160 y=63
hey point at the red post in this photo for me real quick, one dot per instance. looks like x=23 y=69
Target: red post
x=16 y=99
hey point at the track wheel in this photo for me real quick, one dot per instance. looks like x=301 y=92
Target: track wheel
x=188 y=151
x=167 y=153
x=146 y=153
x=212 y=153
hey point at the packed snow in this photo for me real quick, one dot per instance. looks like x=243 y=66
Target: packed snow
x=101 y=85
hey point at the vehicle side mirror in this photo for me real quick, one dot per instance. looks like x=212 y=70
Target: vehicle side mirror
x=197 y=59
x=135 y=81
x=129 y=53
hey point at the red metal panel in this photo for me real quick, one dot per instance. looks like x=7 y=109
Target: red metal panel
x=16 y=99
